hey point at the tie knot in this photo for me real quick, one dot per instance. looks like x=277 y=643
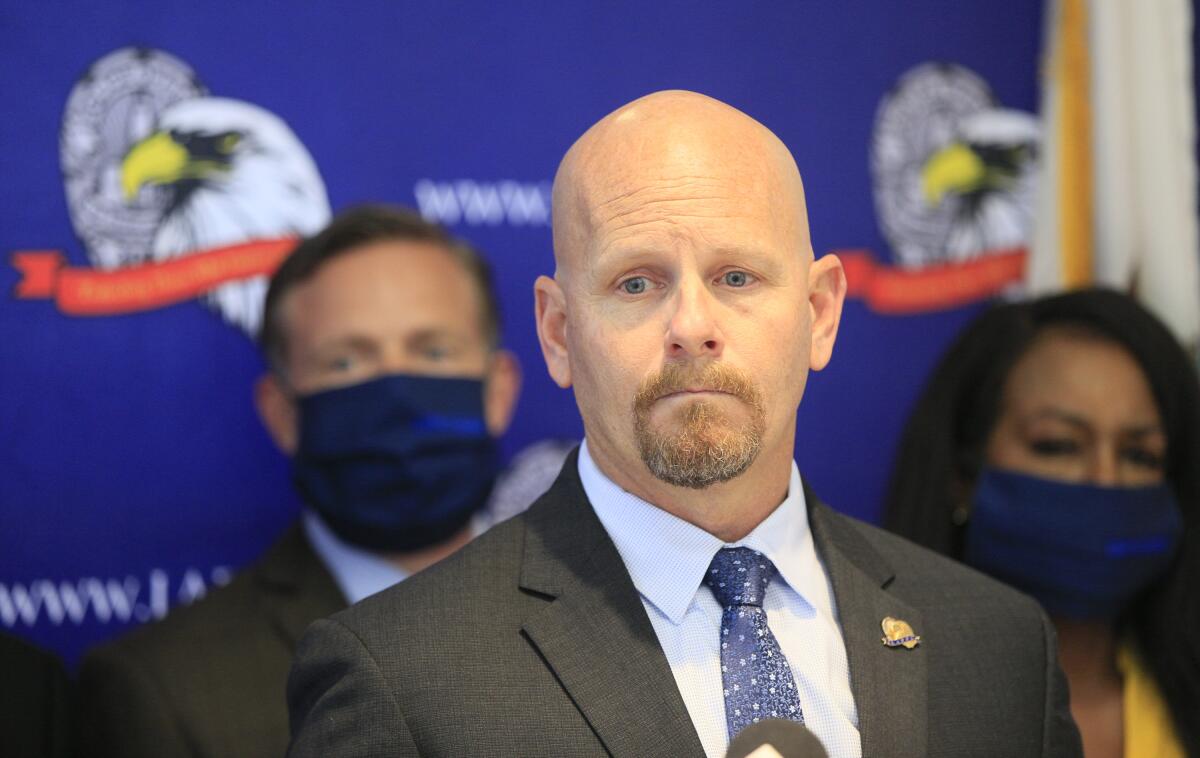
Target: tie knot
x=739 y=576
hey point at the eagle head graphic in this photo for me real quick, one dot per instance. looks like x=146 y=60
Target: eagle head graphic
x=231 y=172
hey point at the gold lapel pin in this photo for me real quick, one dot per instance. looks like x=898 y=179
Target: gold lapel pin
x=897 y=633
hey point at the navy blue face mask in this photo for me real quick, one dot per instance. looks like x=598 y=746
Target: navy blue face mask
x=396 y=463
x=1082 y=551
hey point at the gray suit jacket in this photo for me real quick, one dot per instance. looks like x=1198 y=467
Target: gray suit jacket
x=533 y=641
x=208 y=680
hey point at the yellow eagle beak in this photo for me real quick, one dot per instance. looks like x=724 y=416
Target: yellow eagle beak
x=954 y=168
x=158 y=159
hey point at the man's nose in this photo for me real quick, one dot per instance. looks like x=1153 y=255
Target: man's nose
x=693 y=331
x=394 y=359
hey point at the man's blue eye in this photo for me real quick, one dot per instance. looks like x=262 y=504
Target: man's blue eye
x=634 y=286
x=736 y=278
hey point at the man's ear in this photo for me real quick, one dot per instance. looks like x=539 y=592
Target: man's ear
x=278 y=413
x=501 y=388
x=551 y=315
x=826 y=295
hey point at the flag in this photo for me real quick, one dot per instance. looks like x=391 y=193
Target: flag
x=1117 y=198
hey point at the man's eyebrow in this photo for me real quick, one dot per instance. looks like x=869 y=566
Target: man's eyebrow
x=349 y=340
x=611 y=260
x=755 y=254
x=620 y=249
x=431 y=333
x=618 y=253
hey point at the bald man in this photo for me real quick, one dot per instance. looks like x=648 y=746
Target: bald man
x=678 y=582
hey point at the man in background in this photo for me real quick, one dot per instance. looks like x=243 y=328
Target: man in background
x=387 y=388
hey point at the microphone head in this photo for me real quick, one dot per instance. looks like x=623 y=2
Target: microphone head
x=776 y=738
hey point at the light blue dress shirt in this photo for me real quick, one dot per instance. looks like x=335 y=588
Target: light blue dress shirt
x=359 y=573
x=667 y=557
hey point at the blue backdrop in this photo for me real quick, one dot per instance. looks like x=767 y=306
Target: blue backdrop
x=133 y=470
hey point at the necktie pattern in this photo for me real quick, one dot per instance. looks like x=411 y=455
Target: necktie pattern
x=757 y=680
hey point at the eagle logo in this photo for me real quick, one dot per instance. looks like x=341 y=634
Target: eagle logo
x=157 y=170
x=953 y=171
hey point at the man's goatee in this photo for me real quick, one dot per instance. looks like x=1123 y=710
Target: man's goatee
x=706 y=448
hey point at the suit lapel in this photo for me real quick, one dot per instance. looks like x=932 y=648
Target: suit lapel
x=594 y=633
x=294 y=588
x=889 y=683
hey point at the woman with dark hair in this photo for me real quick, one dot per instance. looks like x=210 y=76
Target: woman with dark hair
x=1057 y=448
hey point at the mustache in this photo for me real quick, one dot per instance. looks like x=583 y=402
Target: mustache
x=714 y=377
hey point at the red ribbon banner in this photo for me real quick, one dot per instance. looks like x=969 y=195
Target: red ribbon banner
x=82 y=291
x=897 y=291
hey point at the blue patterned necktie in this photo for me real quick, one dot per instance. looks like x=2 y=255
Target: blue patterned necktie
x=757 y=680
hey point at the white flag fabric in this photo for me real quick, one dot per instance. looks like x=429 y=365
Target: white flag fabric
x=1141 y=123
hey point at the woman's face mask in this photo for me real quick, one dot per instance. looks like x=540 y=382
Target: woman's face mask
x=1082 y=551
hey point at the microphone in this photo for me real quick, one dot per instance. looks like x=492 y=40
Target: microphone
x=776 y=738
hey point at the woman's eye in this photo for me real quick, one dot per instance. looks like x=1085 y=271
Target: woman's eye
x=736 y=278
x=1144 y=458
x=635 y=285
x=1053 y=447
x=343 y=363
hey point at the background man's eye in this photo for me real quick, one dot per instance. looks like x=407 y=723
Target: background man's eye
x=341 y=364
x=736 y=278
x=634 y=286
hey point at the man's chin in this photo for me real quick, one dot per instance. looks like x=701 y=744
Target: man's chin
x=698 y=459
x=695 y=475
x=698 y=439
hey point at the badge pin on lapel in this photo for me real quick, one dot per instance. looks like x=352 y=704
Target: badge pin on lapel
x=897 y=633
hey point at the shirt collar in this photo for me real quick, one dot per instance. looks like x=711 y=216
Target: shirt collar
x=359 y=573
x=666 y=556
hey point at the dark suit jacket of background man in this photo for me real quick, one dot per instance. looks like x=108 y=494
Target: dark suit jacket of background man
x=208 y=680
x=36 y=704
x=533 y=641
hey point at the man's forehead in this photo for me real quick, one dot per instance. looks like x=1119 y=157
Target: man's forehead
x=391 y=262
x=667 y=144
x=387 y=281
x=673 y=132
